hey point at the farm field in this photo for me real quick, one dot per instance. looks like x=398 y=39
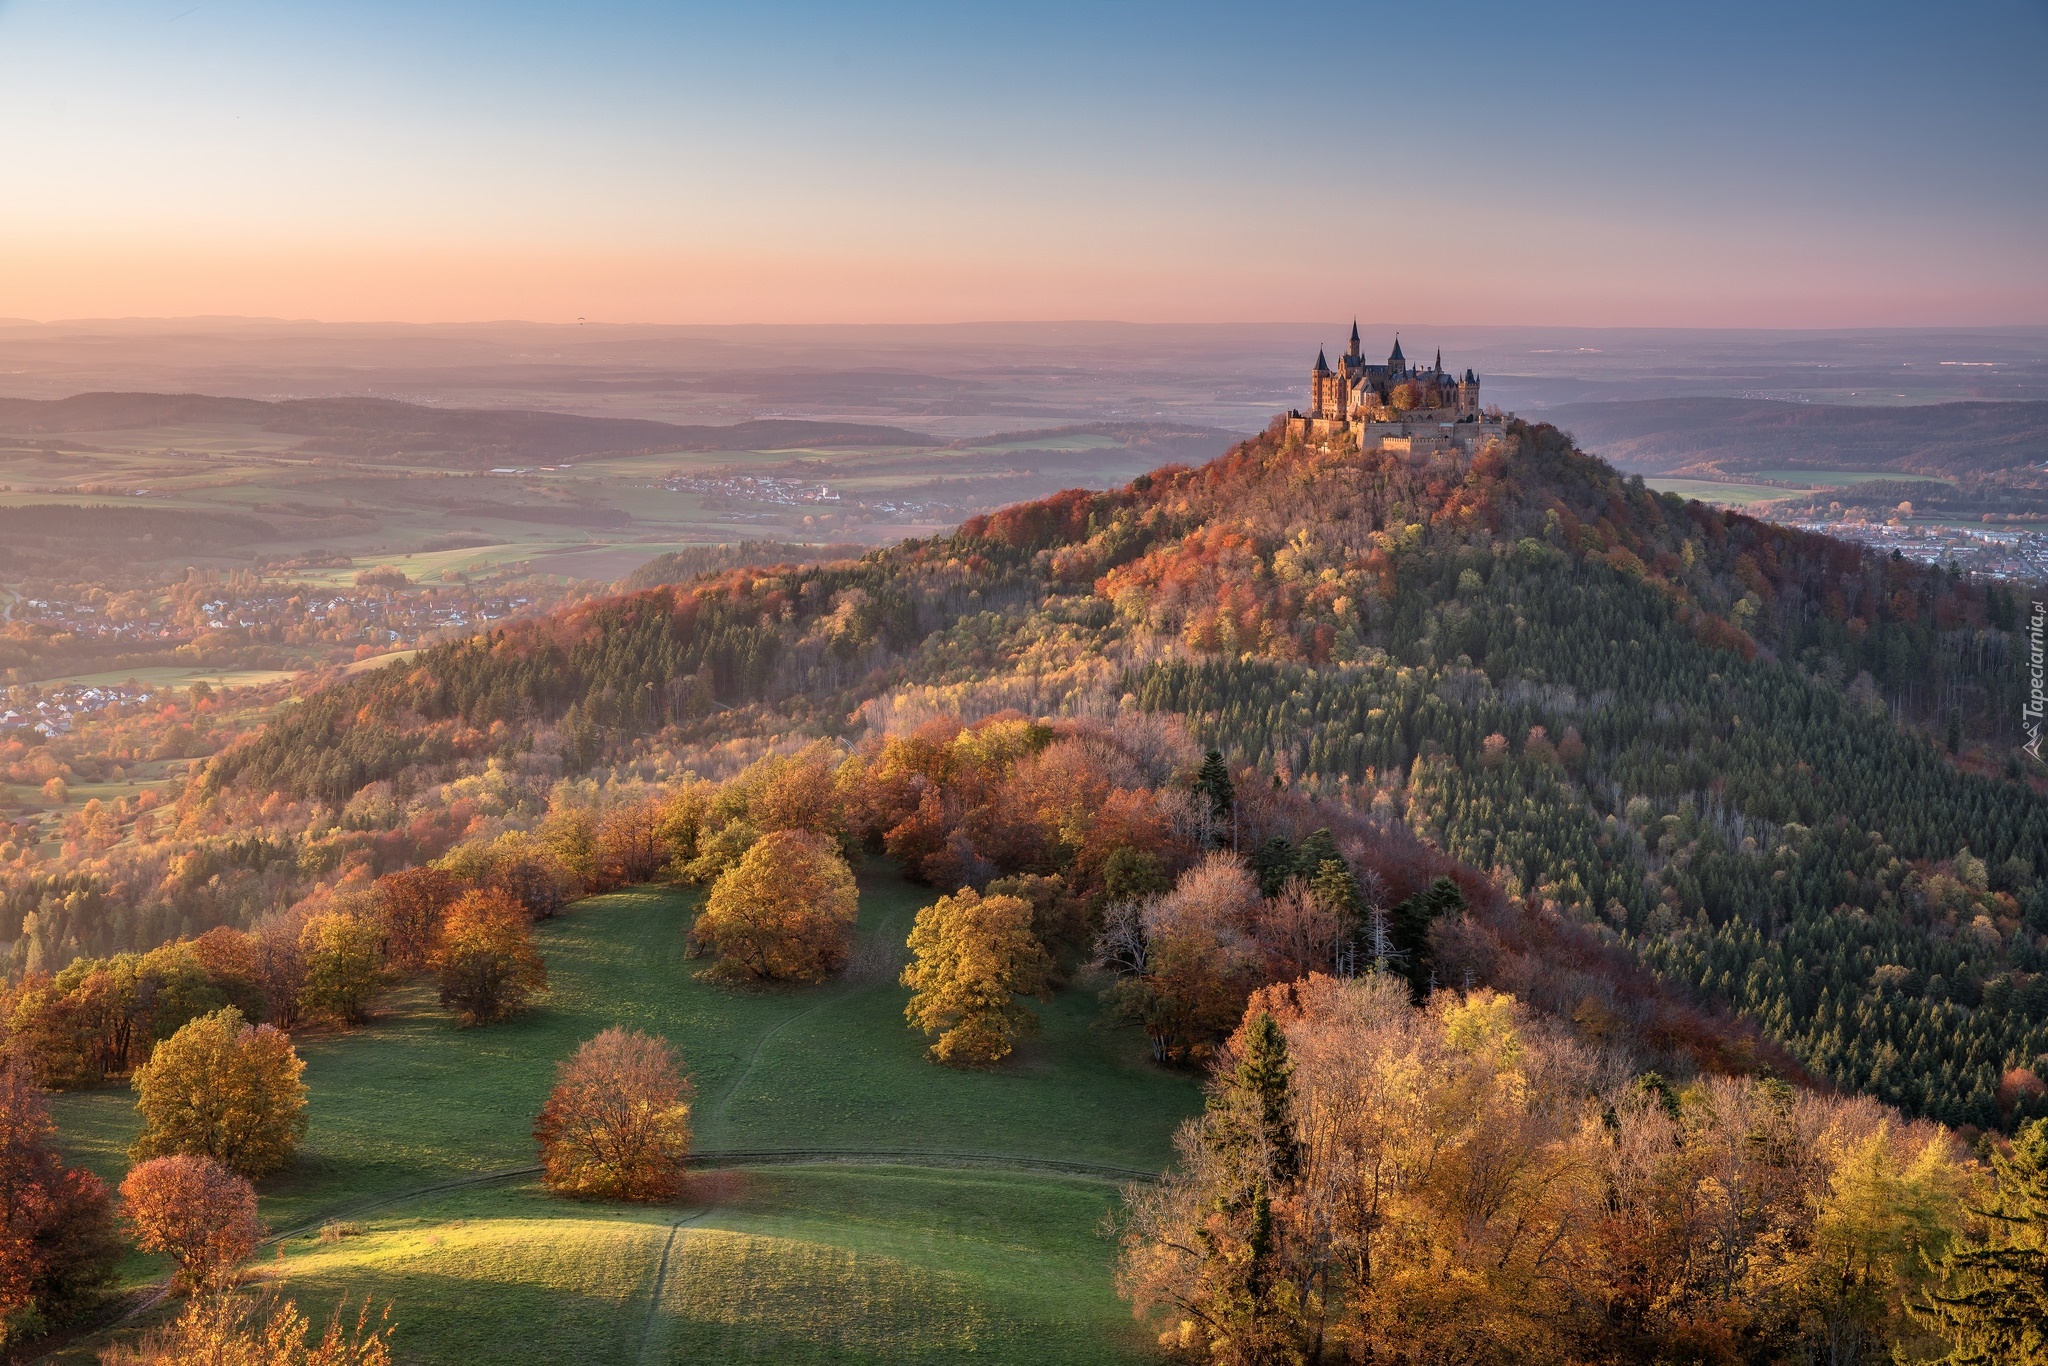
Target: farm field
x=920 y=1259
x=1812 y=478
x=605 y=512
x=179 y=676
x=1712 y=491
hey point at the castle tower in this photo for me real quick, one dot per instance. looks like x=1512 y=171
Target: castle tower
x=1397 y=364
x=1439 y=360
x=1468 y=392
x=1325 y=391
x=1353 y=352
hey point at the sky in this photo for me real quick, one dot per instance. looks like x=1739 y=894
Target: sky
x=1780 y=165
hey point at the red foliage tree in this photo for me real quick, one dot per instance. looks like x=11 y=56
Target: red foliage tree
x=410 y=906
x=617 y=1125
x=195 y=1210
x=57 y=1246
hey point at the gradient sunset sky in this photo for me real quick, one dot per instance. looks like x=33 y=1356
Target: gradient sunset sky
x=1806 y=165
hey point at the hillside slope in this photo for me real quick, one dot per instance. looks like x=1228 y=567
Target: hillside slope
x=1650 y=733
x=893 y=1242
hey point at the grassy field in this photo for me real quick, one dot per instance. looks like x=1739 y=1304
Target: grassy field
x=1840 y=478
x=914 y=1262
x=179 y=676
x=801 y=1264
x=1712 y=491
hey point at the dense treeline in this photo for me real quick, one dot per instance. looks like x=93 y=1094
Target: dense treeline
x=1459 y=1183
x=1756 y=833
x=617 y=669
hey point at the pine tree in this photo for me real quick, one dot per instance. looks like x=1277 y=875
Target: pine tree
x=1274 y=863
x=1250 y=1108
x=1214 y=781
x=1993 y=1307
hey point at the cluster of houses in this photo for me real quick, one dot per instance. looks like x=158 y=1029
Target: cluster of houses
x=55 y=712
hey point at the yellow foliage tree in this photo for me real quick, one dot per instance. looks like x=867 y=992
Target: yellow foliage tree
x=783 y=913
x=974 y=956
x=224 y=1089
x=344 y=957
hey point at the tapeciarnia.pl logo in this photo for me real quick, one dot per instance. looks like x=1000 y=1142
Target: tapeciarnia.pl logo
x=2038 y=671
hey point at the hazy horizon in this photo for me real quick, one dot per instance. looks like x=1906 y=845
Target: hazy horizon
x=1593 y=165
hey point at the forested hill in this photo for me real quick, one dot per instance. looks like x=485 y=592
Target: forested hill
x=1778 y=770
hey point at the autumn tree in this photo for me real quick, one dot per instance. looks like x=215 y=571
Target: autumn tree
x=224 y=1089
x=197 y=1212
x=278 y=958
x=785 y=912
x=229 y=958
x=409 y=909
x=1296 y=931
x=485 y=959
x=973 y=956
x=222 y=1328
x=617 y=1125
x=57 y=1247
x=1185 y=961
x=516 y=863
x=344 y=965
x=1059 y=919
x=628 y=838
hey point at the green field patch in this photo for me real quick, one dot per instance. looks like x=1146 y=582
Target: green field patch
x=1841 y=478
x=1075 y=441
x=413 y=1100
x=865 y=1261
x=1711 y=491
x=179 y=676
x=800 y=1264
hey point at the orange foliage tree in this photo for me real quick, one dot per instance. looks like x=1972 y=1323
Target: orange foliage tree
x=226 y=1329
x=196 y=1211
x=617 y=1125
x=410 y=906
x=224 y=1089
x=57 y=1247
x=785 y=912
x=486 y=959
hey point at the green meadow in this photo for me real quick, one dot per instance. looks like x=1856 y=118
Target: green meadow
x=919 y=1214
x=1713 y=491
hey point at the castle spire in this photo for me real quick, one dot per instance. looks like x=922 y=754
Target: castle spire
x=1397 y=361
x=1322 y=366
x=1354 y=339
x=1439 y=360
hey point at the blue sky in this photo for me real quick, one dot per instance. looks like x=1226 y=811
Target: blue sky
x=1817 y=165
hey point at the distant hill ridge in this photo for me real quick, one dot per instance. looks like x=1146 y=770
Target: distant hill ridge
x=1660 y=435
x=376 y=428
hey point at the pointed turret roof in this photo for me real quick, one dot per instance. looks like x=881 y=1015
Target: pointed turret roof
x=1397 y=359
x=1322 y=366
x=1439 y=360
x=1354 y=334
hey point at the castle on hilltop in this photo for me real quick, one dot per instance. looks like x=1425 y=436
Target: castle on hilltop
x=1396 y=406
